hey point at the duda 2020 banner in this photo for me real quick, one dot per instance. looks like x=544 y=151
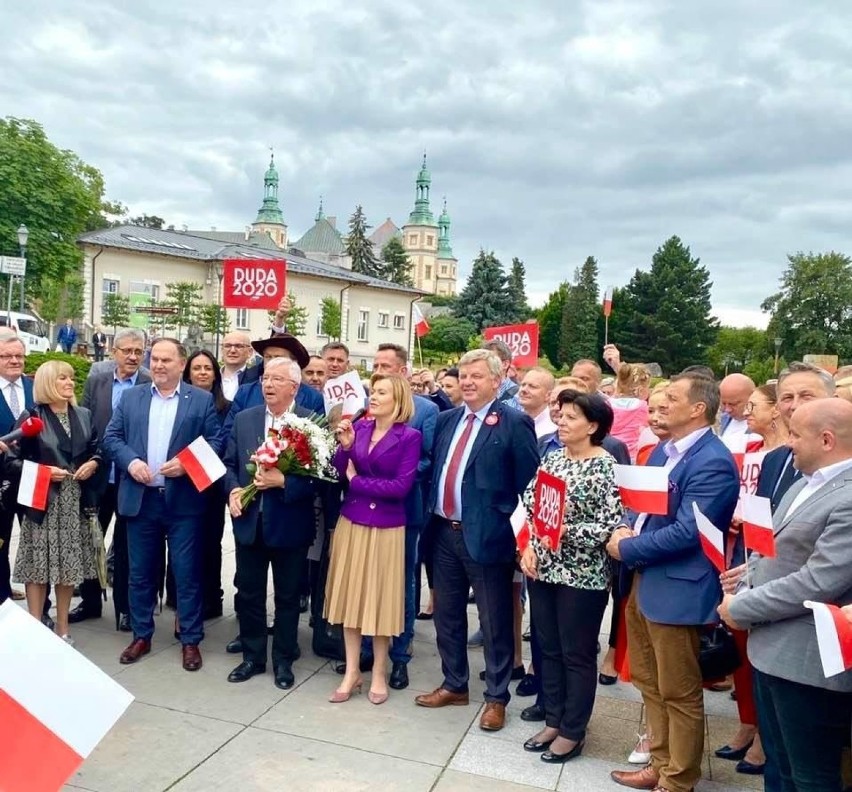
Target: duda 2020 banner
x=522 y=339
x=254 y=283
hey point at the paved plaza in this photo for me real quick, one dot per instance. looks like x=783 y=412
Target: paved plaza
x=195 y=732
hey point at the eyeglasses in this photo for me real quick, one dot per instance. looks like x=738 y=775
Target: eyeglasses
x=130 y=352
x=749 y=408
x=235 y=346
x=276 y=380
x=12 y=357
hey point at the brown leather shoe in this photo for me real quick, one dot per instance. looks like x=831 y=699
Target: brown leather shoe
x=191 y=657
x=646 y=778
x=137 y=648
x=441 y=697
x=493 y=716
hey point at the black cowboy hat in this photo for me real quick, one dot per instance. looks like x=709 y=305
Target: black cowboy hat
x=284 y=341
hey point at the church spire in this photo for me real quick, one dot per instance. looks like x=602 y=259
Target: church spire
x=270 y=211
x=422 y=214
x=444 y=249
x=320 y=214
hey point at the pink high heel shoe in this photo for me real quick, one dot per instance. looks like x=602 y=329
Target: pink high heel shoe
x=377 y=698
x=339 y=696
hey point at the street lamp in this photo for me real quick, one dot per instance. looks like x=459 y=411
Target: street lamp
x=778 y=342
x=23 y=238
x=219 y=271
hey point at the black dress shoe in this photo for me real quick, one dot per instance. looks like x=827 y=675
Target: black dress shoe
x=528 y=686
x=525 y=636
x=235 y=646
x=533 y=713
x=246 y=670
x=606 y=679
x=399 y=676
x=284 y=678
x=303 y=604
x=81 y=613
x=424 y=616
x=747 y=768
x=48 y=622
x=365 y=665
x=733 y=754
x=534 y=746
x=124 y=623
x=518 y=672
x=555 y=758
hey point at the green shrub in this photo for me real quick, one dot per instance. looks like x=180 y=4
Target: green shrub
x=80 y=365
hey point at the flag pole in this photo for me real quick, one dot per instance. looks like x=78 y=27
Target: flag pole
x=606 y=329
x=419 y=351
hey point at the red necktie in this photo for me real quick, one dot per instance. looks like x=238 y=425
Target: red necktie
x=449 y=500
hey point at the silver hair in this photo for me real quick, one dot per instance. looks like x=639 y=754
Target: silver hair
x=797 y=367
x=122 y=335
x=7 y=336
x=495 y=366
x=293 y=370
x=499 y=348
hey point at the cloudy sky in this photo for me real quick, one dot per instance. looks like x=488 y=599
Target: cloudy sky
x=555 y=128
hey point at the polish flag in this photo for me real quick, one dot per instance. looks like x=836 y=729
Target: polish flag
x=35 y=484
x=520 y=526
x=834 y=636
x=607 y=301
x=201 y=463
x=421 y=326
x=643 y=489
x=758 y=533
x=712 y=539
x=55 y=705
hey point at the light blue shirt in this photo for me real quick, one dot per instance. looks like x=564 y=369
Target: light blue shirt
x=118 y=388
x=161 y=421
x=457 y=496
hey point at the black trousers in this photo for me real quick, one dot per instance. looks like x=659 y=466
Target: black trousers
x=7 y=519
x=425 y=561
x=90 y=590
x=567 y=622
x=807 y=728
x=455 y=573
x=253 y=562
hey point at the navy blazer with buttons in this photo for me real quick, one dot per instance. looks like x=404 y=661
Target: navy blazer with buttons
x=7 y=420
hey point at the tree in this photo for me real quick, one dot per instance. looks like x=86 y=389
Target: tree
x=578 y=329
x=516 y=288
x=667 y=316
x=115 y=311
x=550 y=323
x=448 y=337
x=147 y=221
x=55 y=194
x=396 y=264
x=61 y=299
x=811 y=312
x=330 y=318
x=185 y=298
x=359 y=248
x=73 y=294
x=737 y=347
x=213 y=319
x=484 y=300
x=297 y=319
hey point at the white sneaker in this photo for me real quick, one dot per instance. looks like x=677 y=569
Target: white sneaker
x=641 y=754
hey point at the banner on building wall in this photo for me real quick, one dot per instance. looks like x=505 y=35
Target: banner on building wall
x=254 y=283
x=522 y=339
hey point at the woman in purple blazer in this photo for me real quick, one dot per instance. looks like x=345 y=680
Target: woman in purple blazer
x=365 y=589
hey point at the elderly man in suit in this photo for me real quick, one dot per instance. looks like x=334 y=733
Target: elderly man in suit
x=149 y=426
x=101 y=394
x=675 y=589
x=17 y=396
x=806 y=714
x=484 y=456
x=276 y=529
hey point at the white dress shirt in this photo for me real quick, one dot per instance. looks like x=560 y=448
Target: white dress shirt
x=6 y=386
x=817 y=481
x=544 y=424
x=231 y=384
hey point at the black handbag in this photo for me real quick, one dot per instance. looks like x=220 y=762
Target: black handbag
x=718 y=655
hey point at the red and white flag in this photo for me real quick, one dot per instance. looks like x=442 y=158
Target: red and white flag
x=712 y=539
x=607 y=301
x=421 y=326
x=643 y=489
x=758 y=533
x=201 y=463
x=520 y=526
x=834 y=636
x=35 y=484
x=55 y=705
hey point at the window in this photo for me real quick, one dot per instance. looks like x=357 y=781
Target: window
x=111 y=286
x=429 y=240
x=399 y=322
x=443 y=269
x=363 y=325
x=427 y=272
x=384 y=318
x=242 y=321
x=412 y=239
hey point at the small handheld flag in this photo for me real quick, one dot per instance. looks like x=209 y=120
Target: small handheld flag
x=834 y=636
x=201 y=463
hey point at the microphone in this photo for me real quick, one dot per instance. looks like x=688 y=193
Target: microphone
x=359 y=414
x=29 y=428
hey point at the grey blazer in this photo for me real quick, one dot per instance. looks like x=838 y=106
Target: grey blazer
x=813 y=562
x=97 y=394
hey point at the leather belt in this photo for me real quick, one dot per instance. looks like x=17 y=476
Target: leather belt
x=454 y=524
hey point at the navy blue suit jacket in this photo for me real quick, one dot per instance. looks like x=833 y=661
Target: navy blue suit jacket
x=7 y=420
x=677 y=582
x=503 y=460
x=288 y=512
x=126 y=439
x=424 y=420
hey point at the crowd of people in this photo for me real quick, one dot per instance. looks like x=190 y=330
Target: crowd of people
x=432 y=479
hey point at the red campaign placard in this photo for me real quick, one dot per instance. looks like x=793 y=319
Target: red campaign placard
x=522 y=339
x=548 y=507
x=254 y=283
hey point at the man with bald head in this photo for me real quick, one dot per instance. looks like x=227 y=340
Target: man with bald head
x=589 y=372
x=236 y=351
x=805 y=714
x=734 y=390
x=534 y=398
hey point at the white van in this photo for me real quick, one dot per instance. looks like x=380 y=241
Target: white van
x=30 y=329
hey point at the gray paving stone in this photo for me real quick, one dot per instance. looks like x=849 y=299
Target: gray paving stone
x=482 y=755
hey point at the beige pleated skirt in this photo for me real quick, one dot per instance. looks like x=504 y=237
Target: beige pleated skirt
x=365 y=589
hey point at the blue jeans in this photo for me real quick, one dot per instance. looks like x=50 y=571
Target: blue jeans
x=145 y=535
x=400 y=648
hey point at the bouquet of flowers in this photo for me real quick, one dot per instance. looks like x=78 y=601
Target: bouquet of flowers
x=299 y=447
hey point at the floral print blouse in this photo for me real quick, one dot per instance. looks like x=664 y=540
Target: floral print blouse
x=593 y=510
